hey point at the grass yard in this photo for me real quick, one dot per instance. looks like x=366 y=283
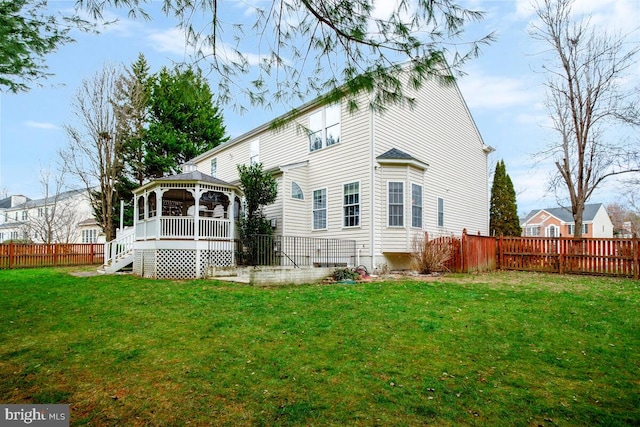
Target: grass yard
x=502 y=349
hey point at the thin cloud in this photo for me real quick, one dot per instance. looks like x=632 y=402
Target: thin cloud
x=41 y=125
x=483 y=91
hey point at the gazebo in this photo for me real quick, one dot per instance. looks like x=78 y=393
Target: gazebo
x=183 y=225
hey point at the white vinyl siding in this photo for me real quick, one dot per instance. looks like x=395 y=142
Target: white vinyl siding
x=395 y=201
x=320 y=209
x=351 y=204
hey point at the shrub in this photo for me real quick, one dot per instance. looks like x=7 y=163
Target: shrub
x=430 y=256
x=345 y=274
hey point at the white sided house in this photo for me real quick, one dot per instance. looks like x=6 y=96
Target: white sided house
x=65 y=217
x=378 y=179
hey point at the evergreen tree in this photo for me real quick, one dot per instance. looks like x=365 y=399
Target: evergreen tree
x=503 y=210
x=260 y=189
x=183 y=121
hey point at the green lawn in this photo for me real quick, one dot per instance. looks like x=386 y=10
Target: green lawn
x=503 y=349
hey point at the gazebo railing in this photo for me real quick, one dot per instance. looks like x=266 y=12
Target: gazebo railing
x=177 y=227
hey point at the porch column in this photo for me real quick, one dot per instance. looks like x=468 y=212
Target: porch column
x=196 y=213
x=159 y=192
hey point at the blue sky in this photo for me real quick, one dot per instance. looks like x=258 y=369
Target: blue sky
x=503 y=89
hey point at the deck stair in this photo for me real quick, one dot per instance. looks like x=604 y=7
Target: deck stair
x=118 y=253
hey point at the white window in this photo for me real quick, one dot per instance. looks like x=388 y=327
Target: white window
x=254 y=152
x=396 y=204
x=24 y=215
x=440 y=212
x=416 y=205
x=351 y=203
x=16 y=216
x=572 y=228
x=89 y=236
x=214 y=167
x=324 y=127
x=552 y=231
x=532 y=231
x=40 y=212
x=320 y=209
x=296 y=191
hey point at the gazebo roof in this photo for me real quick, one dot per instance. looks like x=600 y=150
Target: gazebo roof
x=195 y=177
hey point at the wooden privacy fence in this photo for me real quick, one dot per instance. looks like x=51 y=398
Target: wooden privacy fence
x=611 y=257
x=472 y=253
x=17 y=255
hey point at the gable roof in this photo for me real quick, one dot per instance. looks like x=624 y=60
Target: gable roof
x=564 y=213
x=310 y=105
x=192 y=176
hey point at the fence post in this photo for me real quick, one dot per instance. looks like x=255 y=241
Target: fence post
x=91 y=255
x=562 y=248
x=463 y=251
x=11 y=253
x=500 y=251
x=634 y=245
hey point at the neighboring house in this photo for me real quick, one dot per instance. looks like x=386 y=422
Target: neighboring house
x=60 y=218
x=559 y=222
x=8 y=232
x=378 y=178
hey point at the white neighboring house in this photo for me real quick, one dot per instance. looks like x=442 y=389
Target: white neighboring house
x=66 y=217
x=379 y=178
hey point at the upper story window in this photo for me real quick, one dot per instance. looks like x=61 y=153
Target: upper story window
x=24 y=215
x=396 y=204
x=416 y=205
x=296 y=191
x=254 y=152
x=351 y=203
x=214 y=167
x=324 y=127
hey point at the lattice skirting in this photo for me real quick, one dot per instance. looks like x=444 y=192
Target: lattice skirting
x=178 y=263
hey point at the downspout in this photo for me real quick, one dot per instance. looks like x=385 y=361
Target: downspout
x=373 y=189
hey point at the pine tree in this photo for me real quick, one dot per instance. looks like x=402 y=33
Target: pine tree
x=503 y=210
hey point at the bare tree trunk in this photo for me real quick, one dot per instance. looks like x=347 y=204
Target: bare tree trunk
x=584 y=95
x=93 y=154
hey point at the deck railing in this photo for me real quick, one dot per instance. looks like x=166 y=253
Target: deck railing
x=296 y=251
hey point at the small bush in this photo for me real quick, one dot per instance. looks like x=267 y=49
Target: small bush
x=345 y=274
x=431 y=256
